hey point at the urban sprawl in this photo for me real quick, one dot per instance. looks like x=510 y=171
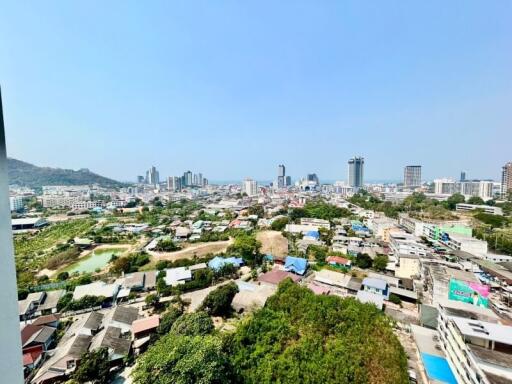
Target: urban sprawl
x=184 y=279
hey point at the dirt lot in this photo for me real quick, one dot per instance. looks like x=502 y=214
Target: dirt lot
x=273 y=242
x=198 y=250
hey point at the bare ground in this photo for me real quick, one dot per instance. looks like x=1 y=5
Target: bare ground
x=273 y=242
x=198 y=250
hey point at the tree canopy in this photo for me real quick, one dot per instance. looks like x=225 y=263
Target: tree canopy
x=299 y=337
x=246 y=246
x=218 y=301
x=94 y=367
x=193 y=324
x=176 y=359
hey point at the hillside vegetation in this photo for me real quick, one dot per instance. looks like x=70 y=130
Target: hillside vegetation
x=29 y=175
x=297 y=337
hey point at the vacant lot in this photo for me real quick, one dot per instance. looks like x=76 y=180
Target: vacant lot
x=198 y=250
x=273 y=242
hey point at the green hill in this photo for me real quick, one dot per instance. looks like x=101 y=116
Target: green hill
x=29 y=175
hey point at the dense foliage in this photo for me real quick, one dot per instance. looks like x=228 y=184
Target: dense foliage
x=176 y=359
x=279 y=224
x=166 y=245
x=299 y=337
x=193 y=324
x=218 y=301
x=247 y=247
x=130 y=263
x=93 y=368
x=168 y=319
x=417 y=205
x=319 y=209
x=66 y=302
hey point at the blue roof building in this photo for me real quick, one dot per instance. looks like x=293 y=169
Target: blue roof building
x=313 y=234
x=296 y=265
x=218 y=262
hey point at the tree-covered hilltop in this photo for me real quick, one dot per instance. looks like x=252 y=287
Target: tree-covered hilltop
x=297 y=337
x=29 y=175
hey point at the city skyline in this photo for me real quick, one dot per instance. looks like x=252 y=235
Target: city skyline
x=428 y=88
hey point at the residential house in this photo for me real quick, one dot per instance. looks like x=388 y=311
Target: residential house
x=377 y=286
x=296 y=265
x=177 y=276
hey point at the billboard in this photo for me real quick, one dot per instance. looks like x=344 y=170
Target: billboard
x=469 y=292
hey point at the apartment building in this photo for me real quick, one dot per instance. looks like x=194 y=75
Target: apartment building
x=402 y=243
x=464 y=243
x=56 y=201
x=411 y=225
x=444 y=187
x=407 y=266
x=317 y=223
x=463 y=207
x=16 y=203
x=89 y=204
x=478 y=351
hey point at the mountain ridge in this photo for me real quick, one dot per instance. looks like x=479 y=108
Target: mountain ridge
x=29 y=175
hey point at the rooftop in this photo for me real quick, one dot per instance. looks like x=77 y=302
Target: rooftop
x=126 y=315
x=145 y=324
x=276 y=276
x=375 y=283
x=484 y=330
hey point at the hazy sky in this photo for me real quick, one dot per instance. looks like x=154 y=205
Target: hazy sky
x=234 y=88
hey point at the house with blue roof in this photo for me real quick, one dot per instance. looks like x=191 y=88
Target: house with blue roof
x=296 y=265
x=218 y=262
x=377 y=286
x=313 y=235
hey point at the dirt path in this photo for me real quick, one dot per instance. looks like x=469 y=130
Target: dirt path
x=198 y=250
x=273 y=242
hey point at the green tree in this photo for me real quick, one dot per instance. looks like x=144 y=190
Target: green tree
x=184 y=360
x=453 y=200
x=168 y=319
x=477 y=200
x=279 y=224
x=247 y=247
x=256 y=209
x=218 y=301
x=395 y=299
x=363 y=260
x=193 y=324
x=300 y=337
x=94 y=367
x=380 y=262
x=166 y=245
x=317 y=252
x=152 y=300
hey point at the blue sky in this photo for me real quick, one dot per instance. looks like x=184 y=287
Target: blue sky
x=235 y=88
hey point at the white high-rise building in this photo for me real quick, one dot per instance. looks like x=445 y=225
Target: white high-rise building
x=480 y=188
x=444 y=187
x=16 y=203
x=250 y=187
